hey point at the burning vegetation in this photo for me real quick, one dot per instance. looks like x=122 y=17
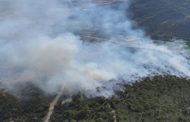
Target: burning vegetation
x=86 y=61
x=153 y=99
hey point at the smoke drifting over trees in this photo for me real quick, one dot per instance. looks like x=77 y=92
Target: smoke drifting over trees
x=41 y=42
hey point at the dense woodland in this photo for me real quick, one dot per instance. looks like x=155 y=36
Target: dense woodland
x=157 y=99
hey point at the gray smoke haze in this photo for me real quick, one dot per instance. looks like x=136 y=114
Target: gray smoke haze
x=43 y=42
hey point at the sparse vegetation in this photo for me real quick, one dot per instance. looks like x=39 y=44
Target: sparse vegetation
x=163 y=19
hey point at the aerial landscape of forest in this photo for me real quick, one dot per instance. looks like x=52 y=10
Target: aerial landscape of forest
x=95 y=61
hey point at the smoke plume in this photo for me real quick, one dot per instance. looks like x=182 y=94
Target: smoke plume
x=80 y=45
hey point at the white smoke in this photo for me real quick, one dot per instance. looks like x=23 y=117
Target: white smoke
x=44 y=42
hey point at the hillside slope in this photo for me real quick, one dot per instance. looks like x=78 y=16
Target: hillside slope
x=157 y=99
x=153 y=99
x=163 y=19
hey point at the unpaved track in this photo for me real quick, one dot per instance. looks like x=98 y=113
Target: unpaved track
x=52 y=106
